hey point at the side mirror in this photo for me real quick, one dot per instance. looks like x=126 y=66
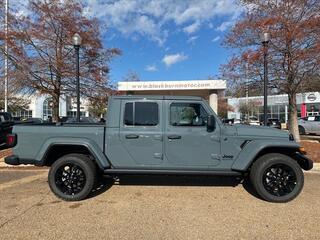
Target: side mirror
x=211 y=123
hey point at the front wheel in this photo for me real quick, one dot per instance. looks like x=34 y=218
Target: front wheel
x=277 y=177
x=72 y=177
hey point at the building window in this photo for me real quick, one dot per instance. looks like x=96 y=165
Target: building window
x=141 y=114
x=23 y=114
x=73 y=114
x=47 y=109
x=187 y=114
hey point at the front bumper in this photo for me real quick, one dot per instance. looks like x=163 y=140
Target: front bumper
x=304 y=162
x=15 y=160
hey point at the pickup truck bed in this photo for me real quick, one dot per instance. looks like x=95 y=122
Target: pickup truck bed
x=49 y=134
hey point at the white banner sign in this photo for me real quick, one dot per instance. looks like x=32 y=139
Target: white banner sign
x=172 y=85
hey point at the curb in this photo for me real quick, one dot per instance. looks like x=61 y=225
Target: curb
x=4 y=165
x=316 y=167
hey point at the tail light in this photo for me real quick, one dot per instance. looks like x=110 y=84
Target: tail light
x=11 y=140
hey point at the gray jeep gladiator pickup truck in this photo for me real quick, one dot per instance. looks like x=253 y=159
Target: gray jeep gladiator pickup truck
x=161 y=135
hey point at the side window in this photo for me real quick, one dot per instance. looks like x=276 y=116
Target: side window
x=141 y=114
x=128 y=114
x=187 y=114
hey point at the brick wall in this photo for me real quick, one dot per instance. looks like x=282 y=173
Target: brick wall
x=4 y=153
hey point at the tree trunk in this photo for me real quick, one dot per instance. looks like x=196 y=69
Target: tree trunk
x=293 y=114
x=55 y=108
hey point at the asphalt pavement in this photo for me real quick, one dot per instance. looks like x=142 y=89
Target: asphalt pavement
x=162 y=207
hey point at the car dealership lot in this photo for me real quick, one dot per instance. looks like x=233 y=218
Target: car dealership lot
x=158 y=207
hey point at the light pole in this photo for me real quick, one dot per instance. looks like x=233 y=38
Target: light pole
x=6 y=57
x=76 y=40
x=265 y=38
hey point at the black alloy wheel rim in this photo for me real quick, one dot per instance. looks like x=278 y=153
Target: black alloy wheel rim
x=279 y=180
x=70 y=179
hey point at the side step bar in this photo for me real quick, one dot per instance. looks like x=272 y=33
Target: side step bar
x=169 y=172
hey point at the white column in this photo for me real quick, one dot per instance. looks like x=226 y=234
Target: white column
x=286 y=113
x=213 y=102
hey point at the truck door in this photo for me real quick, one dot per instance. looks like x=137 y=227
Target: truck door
x=141 y=131
x=188 y=144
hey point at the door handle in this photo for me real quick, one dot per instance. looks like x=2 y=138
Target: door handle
x=174 y=137
x=132 y=136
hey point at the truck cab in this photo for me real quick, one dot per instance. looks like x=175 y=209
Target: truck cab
x=155 y=133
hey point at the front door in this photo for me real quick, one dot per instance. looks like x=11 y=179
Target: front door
x=141 y=132
x=188 y=144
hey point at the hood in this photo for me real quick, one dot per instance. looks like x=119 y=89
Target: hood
x=260 y=131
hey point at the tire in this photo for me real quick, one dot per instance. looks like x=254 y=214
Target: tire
x=277 y=177
x=72 y=177
x=302 y=131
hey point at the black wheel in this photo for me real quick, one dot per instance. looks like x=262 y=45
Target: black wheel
x=277 y=177
x=72 y=177
x=302 y=131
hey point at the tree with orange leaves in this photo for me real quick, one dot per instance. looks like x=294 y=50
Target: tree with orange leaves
x=294 y=49
x=41 y=49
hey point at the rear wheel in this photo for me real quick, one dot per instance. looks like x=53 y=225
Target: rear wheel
x=72 y=177
x=277 y=177
x=302 y=131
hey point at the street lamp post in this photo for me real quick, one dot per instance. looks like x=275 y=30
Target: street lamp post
x=6 y=57
x=76 y=40
x=265 y=38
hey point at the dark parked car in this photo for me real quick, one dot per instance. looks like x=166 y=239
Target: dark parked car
x=32 y=120
x=274 y=122
x=6 y=124
x=83 y=120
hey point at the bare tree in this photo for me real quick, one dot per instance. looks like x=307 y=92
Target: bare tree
x=41 y=49
x=131 y=76
x=294 y=53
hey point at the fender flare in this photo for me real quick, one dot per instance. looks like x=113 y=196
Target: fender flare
x=92 y=147
x=252 y=149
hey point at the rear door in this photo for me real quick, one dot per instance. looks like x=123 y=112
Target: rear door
x=141 y=131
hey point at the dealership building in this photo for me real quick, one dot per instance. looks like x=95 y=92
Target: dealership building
x=40 y=106
x=207 y=89
x=278 y=107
